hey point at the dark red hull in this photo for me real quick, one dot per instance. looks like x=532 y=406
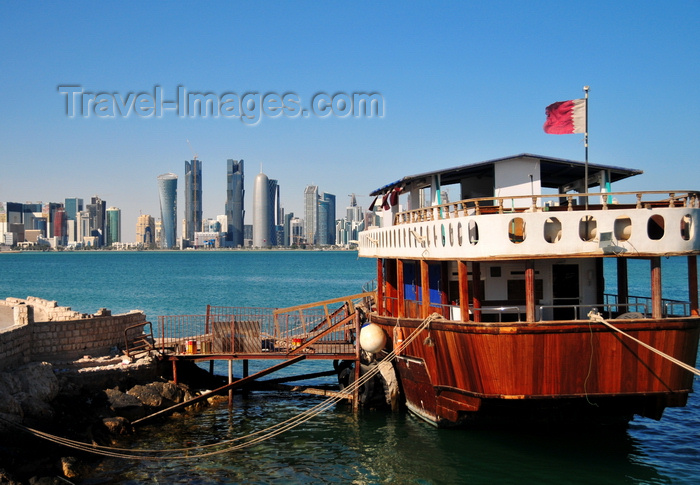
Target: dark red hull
x=457 y=372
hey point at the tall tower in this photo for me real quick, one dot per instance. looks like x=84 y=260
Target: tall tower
x=167 y=190
x=193 y=198
x=274 y=209
x=97 y=209
x=73 y=205
x=113 y=226
x=261 y=211
x=235 y=214
x=311 y=214
x=146 y=230
x=330 y=217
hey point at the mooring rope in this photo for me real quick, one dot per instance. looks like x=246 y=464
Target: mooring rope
x=595 y=316
x=257 y=436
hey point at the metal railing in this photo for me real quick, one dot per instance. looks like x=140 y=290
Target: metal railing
x=567 y=202
x=311 y=328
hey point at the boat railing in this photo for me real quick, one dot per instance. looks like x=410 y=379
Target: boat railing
x=671 y=308
x=580 y=312
x=548 y=202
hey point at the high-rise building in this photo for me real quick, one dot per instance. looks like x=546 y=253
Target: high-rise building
x=329 y=199
x=275 y=209
x=113 y=226
x=167 y=190
x=97 y=209
x=261 y=211
x=322 y=224
x=235 y=213
x=193 y=198
x=311 y=214
x=146 y=231
x=287 y=241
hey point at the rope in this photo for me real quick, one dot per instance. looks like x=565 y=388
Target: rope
x=594 y=316
x=253 y=438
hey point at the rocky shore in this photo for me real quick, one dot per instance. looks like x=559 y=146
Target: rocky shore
x=92 y=400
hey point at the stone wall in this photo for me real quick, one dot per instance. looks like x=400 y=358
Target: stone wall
x=44 y=331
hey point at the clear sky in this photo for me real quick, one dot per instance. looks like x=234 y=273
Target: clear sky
x=461 y=82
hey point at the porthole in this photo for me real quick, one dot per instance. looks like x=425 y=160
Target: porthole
x=435 y=236
x=473 y=231
x=623 y=228
x=655 y=227
x=587 y=228
x=452 y=235
x=516 y=230
x=552 y=230
x=442 y=234
x=686 y=226
x=459 y=233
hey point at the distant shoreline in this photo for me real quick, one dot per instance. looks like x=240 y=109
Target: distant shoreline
x=249 y=250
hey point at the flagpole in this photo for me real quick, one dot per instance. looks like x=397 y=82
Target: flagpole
x=585 y=144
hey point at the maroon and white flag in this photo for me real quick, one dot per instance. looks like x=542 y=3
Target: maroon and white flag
x=566 y=117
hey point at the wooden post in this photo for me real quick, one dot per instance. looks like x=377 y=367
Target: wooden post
x=400 y=289
x=356 y=392
x=245 y=374
x=175 y=371
x=693 y=285
x=476 y=289
x=463 y=277
x=656 y=303
x=380 y=287
x=424 y=289
x=622 y=284
x=530 y=290
x=230 y=380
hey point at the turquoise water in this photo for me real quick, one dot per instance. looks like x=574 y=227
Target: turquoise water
x=337 y=446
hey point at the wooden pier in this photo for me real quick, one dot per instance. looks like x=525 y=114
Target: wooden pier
x=324 y=330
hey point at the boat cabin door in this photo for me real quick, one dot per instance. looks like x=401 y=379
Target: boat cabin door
x=565 y=291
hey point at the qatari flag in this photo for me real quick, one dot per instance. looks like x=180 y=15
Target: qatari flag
x=566 y=117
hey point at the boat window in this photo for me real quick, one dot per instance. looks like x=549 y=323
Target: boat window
x=686 y=225
x=452 y=235
x=587 y=228
x=655 y=227
x=623 y=228
x=459 y=233
x=435 y=241
x=552 y=230
x=473 y=232
x=516 y=230
x=442 y=234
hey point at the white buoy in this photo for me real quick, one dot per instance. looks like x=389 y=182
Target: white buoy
x=372 y=338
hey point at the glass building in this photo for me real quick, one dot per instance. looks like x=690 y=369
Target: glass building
x=193 y=198
x=167 y=191
x=113 y=226
x=235 y=214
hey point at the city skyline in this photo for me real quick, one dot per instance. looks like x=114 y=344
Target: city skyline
x=458 y=83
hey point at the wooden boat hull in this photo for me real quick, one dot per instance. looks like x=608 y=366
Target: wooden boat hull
x=456 y=372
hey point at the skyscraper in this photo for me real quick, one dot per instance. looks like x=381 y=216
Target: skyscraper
x=146 y=230
x=97 y=209
x=113 y=226
x=167 y=190
x=73 y=205
x=330 y=217
x=193 y=198
x=274 y=208
x=311 y=214
x=261 y=211
x=235 y=214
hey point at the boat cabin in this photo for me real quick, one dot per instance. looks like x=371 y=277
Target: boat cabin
x=525 y=240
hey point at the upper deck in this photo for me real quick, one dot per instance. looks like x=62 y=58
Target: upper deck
x=503 y=214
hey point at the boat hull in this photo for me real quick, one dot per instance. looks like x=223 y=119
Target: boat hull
x=458 y=372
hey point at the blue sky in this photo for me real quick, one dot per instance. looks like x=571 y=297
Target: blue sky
x=462 y=82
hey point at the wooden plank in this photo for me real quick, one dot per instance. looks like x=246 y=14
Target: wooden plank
x=220 y=390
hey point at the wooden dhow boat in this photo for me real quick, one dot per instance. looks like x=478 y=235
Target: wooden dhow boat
x=513 y=280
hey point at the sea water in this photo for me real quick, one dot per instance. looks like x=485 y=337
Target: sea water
x=337 y=446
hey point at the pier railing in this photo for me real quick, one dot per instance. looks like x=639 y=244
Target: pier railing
x=326 y=327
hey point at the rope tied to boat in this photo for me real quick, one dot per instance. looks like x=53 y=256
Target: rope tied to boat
x=596 y=317
x=228 y=445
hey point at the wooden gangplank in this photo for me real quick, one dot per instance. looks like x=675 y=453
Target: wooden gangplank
x=220 y=390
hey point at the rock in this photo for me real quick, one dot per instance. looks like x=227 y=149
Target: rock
x=125 y=405
x=73 y=467
x=118 y=425
x=34 y=408
x=38 y=380
x=148 y=395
